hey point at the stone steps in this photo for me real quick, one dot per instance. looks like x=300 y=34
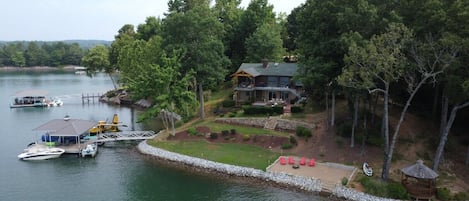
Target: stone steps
x=271 y=123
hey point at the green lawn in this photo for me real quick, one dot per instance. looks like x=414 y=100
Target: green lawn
x=234 y=154
x=218 y=127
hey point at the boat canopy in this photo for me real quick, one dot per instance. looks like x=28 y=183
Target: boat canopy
x=71 y=127
x=32 y=93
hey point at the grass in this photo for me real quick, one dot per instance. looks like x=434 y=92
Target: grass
x=234 y=154
x=218 y=127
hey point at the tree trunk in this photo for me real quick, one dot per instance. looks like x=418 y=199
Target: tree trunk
x=365 y=135
x=385 y=130
x=355 y=119
x=444 y=137
x=327 y=111
x=113 y=81
x=435 y=102
x=373 y=111
x=201 y=97
x=173 y=129
x=388 y=158
x=467 y=156
x=444 y=114
x=333 y=109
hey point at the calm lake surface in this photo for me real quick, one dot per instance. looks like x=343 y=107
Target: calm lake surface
x=119 y=171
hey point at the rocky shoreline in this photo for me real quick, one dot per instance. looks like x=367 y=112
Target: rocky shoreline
x=305 y=184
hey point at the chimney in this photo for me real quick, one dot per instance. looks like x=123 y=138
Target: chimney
x=265 y=63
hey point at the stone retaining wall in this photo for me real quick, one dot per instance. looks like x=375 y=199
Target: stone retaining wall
x=303 y=183
x=282 y=124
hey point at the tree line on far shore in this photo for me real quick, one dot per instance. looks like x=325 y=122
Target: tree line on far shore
x=45 y=53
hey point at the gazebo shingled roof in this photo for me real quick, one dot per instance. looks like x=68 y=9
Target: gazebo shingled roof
x=419 y=171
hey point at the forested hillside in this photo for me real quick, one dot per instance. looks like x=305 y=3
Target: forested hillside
x=45 y=53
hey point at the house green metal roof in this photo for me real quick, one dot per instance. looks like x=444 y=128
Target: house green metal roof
x=273 y=69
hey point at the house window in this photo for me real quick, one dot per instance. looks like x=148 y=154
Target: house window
x=284 y=81
x=284 y=96
x=272 y=82
x=272 y=95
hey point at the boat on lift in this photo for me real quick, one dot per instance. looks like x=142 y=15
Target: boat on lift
x=36 y=151
x=90 y=150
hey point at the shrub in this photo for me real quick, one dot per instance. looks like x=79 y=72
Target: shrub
x=233 y=131
x=443 y=194
x=251 y=110
x=213 y=136
x=293 y=140
x=232 y=114
x=296 y=109
x=461 y=196
x=246 y=137
x=225 y=132
x=345 y=129
x=303 y=132
x=287 y=146
x=228 y=103
x=344 y=181
x=397 y=191
x=192 y=131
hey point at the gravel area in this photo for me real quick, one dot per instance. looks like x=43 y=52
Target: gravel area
x=303 y=183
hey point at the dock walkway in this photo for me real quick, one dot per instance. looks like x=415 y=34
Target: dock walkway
x=126 y=135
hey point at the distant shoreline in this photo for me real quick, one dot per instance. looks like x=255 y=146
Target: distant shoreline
x=36 y=68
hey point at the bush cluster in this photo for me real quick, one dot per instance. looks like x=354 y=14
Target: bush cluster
x=192 y=131
x=228 y=103
x=287 y=146
x=246 y=137
x=297 y=109
x=293 y=140
x=382 y=189
x=250 y=110
x=213 y=136
x=225 y=132
x=303 y=132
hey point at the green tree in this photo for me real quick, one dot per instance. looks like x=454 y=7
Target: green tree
x=97 y=59
x=34 y=55
x=150 y=28
x=264 y=43
x=198 y=33
x=229 y=14
x=321 y=28
x=258 y=12
x=126 y=35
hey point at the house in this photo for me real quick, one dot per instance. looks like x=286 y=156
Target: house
x=266 y=83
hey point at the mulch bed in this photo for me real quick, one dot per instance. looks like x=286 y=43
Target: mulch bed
x=265 y=141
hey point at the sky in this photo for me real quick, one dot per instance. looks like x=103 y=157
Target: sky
x=53 y=20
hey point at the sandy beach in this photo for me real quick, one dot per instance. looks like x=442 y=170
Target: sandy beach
x=328 y=173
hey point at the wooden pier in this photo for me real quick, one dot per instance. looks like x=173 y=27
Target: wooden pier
x=90 y=97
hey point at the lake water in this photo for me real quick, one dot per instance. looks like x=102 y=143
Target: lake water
x=119 y=171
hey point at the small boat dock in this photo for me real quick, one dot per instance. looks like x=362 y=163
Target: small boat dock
x=73 y=135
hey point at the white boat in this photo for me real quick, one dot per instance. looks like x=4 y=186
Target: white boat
x=36 y=151
x=367 y=169
x=55 y=103
x=90 y=150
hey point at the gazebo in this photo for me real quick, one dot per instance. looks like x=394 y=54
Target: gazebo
x=419 y=180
